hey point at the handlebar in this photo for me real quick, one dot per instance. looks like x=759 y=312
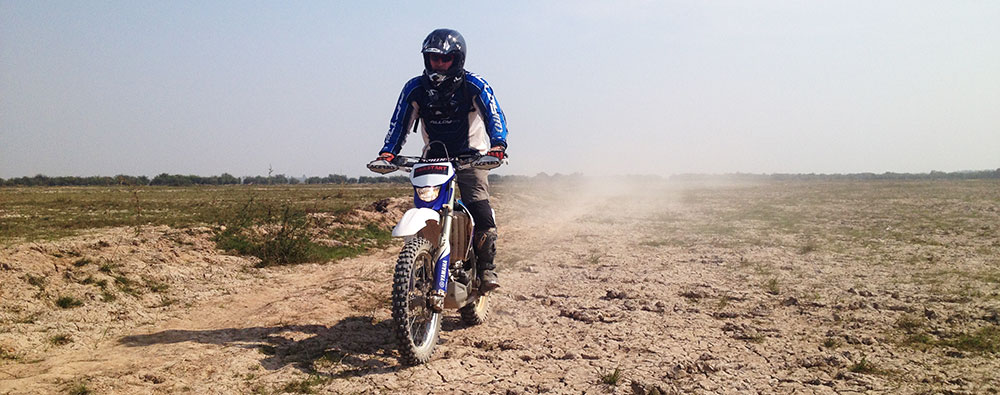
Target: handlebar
x=406 y=163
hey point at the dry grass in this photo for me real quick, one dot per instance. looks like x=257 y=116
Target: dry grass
x=42 y=213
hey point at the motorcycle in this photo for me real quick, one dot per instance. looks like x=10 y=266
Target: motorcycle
x=436 y=269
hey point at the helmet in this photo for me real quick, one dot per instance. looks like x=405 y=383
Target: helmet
x=445 y=41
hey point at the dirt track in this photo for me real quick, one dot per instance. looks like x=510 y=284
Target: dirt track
x=593 y=281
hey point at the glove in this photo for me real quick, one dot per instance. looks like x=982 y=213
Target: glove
x=386 y=156
x=498 y=152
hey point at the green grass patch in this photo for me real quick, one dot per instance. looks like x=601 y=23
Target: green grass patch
x=985 y=340
x=305 y=386
x=46 y=213
x=37 y=281
x=68 y=302
x=82 y=262
x=79 y=389
x=663 y=243
x=864 y=366
x=108 y=297
x=126 y=285
x=612 y=378
x=157 y=286
x=909 y=323
x=107 y=267
x=919 y=340
x=771 y=286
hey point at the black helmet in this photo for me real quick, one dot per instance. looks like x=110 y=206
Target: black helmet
x=445 y=41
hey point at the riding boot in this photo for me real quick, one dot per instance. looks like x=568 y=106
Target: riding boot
x=486 y=250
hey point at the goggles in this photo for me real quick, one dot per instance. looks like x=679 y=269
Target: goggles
x=443 y=58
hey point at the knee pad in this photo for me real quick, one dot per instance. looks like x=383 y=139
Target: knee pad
x=483 y=214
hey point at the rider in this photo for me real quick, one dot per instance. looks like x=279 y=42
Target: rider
x=451 y=105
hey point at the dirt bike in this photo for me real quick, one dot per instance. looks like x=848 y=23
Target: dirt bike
x=436 y=268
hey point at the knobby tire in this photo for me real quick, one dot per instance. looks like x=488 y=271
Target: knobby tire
x=416 y=326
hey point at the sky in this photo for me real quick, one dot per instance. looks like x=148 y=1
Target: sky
x=598 y=87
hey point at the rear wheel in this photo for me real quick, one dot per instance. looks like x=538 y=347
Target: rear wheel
x=415 y=324
x=475 y=313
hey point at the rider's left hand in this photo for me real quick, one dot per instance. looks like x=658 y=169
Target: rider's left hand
x=498 y=152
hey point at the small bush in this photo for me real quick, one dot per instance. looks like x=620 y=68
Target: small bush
x=60 y=339
x=276 y=236
x=82 y=262
x=67 y=302
x=79 y=389
x=771 y=286
x=864 y=366
x=108 y=296
x=282 y=235
x=909 y=323
x=7 y=354
x=126 y=285
x=157 y=286
x=36 y=281
x=612 y=378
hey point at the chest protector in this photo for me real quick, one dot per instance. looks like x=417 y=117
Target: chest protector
x=446 y=118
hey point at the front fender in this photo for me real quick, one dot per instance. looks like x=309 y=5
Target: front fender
x=414 y=220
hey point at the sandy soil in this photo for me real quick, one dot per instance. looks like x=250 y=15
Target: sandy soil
x=593 y=282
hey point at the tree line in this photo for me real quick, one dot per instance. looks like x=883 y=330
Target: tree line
x=933 y=175
x=188 y=180
x=281 y=179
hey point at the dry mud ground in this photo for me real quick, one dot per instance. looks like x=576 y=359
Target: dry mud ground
x=784 y=287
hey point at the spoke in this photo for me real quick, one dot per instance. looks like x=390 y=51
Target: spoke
x=421 y=283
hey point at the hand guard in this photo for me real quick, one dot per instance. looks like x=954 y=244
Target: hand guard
x=383 y=164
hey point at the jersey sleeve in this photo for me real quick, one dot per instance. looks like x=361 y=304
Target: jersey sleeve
x=402 y=120
x=496 y=123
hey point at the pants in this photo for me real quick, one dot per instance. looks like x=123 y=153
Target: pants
x=474 y=187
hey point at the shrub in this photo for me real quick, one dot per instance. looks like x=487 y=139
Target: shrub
x=280 y=235
x=276 y=236
x=612 y=378
x=67 y=302
x=60 y=339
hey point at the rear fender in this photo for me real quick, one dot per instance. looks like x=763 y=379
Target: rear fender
x=414 y=220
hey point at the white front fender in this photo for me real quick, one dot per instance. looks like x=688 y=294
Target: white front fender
x=414 y=220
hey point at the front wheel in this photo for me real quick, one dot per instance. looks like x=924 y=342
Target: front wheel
x=416 y=325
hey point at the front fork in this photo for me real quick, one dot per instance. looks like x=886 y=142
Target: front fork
x=441 y=267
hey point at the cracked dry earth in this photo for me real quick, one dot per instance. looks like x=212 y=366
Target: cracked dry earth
x=790 y=287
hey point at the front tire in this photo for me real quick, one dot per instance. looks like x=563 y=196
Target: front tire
x=416 y=325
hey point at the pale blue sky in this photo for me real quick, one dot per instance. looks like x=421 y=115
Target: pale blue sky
x=195 y=87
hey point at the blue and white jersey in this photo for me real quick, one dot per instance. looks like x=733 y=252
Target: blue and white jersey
x=472 y=122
